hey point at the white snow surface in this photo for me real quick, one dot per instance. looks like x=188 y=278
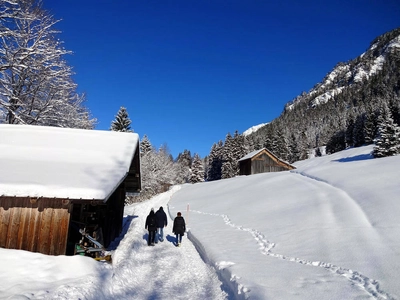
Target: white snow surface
x=43 y=161
x=328 y=230
x=253 y=129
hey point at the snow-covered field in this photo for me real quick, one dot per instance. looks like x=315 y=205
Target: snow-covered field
x=328 y=230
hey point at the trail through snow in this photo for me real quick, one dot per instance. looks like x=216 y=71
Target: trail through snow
x=142 y=272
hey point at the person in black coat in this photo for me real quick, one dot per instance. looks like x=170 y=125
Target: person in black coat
x=179 y=228
x=161 y=223
x=151 y=226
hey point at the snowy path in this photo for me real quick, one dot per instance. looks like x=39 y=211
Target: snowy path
x=142 y=272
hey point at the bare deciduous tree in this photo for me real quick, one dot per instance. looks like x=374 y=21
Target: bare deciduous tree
x=36 y=86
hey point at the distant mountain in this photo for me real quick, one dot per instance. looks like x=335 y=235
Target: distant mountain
x=346 y=109
x=343 y=109
x=359 y=70
x=253 y=129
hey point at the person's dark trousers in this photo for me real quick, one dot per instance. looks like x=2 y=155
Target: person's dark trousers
x=178 y=238
x=152 y=235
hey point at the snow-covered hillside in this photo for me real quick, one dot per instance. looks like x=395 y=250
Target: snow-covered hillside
x=346 y=74
x=253 y=129
x=327 y=230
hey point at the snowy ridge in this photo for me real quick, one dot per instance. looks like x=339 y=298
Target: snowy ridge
x=253 y=129
x=345 y=74
x=321 y=99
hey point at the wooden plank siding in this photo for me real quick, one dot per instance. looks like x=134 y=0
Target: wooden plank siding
x=37 y=225
x=262 y=161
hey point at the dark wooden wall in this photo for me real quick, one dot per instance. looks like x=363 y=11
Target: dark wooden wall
x=245 y=167
x=37 y=225
x=264 y=163
x=115 y=214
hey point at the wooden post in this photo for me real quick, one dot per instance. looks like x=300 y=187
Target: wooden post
x=187 y=215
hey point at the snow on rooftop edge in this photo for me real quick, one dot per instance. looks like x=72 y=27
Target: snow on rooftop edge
x=73 y=163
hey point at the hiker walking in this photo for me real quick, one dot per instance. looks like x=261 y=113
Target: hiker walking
x=179 y=228
x=151 y=226
x=161 y=223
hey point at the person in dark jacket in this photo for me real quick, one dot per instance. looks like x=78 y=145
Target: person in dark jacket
x=161 y=223
x=151 y=226
x=179 y=228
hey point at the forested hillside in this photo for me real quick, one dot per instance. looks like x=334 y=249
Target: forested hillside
x=357 y=103
x=344 y=109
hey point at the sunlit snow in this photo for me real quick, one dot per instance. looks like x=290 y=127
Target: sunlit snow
x=328 y=230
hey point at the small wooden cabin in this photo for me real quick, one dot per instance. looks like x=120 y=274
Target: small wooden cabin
x=55 y=181
x=262 y=161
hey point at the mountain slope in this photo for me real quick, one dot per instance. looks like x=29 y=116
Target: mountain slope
x=344 y=109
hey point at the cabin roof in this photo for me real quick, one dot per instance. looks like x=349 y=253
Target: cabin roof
x=257 y=152
x=40 y=161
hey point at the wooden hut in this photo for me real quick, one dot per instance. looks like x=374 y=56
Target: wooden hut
x=55 y=181
x=262 y=161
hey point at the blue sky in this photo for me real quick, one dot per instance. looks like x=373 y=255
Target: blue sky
x=189 y=72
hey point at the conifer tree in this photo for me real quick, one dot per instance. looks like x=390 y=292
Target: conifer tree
x=388 y=141
x=184 y=162
x=238 y=151
x=215 y=162
x=248 y=144
x=145 y=145
x=294 y=153
x=349 y=133
x=197 y=170
x=227 y=169
x=370 y=128
x=122 y=122
x=358 y=132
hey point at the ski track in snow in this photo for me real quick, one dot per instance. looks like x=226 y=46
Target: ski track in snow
x=365 y=283
x=369 y=285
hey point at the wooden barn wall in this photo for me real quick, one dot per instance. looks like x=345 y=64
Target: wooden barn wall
x=245 y=167
x=264 y=163
x=41 y=226
x=115 y=214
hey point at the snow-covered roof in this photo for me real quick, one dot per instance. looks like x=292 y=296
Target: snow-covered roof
x=251 y=154
x=256 y=152
x=39 y=161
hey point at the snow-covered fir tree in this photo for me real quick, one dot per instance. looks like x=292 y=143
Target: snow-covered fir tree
x=387 y=142
x=145 y=145
x=238 y=151
x=294 y=153
x=358 y=131
x=228 y=163
x=197 y=174
x=184 y=162
x=122 y=121
x=215 y=162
